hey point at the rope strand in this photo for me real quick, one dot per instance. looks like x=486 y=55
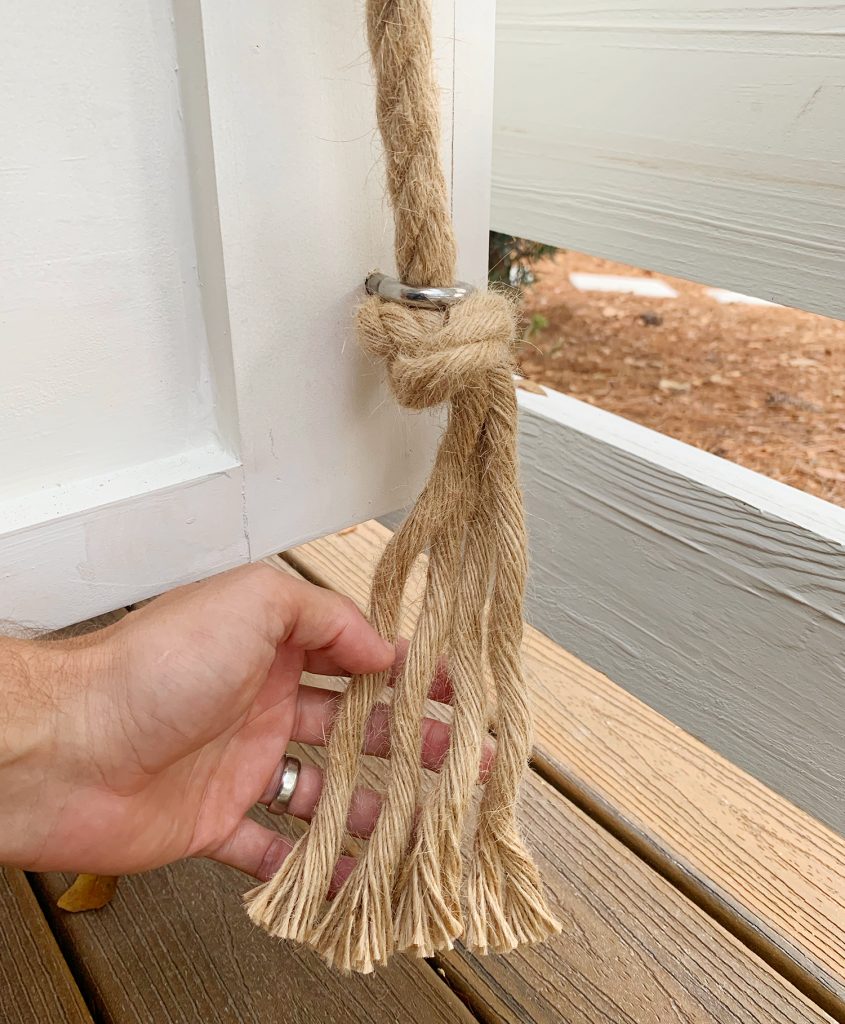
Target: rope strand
x=405 y=890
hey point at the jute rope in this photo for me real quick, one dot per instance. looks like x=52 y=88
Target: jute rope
x=405 y=892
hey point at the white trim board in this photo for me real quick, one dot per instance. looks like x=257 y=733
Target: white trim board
x=699 y=140
x=271 y=122
x=81 y=565
x=712 y=593
x=59 y=501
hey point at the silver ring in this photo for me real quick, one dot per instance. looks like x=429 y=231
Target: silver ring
x=290 y=777
x=409 y=295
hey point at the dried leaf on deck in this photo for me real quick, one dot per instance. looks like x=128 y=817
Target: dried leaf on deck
x=88 y=892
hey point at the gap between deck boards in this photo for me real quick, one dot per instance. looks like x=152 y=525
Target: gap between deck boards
x=36 y=981
x=730 y=914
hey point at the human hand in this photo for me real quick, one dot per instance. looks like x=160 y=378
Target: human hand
x=148 y=741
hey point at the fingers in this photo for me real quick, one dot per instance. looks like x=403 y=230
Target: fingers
x=328 y=627
x=317 y=709
x=319 y=663
x=253 y=849
x=363 y=811
x=441 y=685
x=260 y=852
x=435 y=742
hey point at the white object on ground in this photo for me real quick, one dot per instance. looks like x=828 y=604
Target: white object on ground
x=652 y=287
x=726 y=297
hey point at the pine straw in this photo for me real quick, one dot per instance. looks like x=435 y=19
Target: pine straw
x=762 y=386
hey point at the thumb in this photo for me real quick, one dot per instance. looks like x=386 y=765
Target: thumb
x=328 y=626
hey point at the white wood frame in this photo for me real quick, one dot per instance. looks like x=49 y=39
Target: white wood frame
x=288 y=215
x=705 y=141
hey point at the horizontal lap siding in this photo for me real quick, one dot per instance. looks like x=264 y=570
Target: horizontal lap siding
x=722 y=608
x=703 y=141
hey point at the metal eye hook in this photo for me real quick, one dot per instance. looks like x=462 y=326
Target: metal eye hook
x=422 y=298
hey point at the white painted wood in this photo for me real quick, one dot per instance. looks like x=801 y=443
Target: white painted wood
x=705 y=141
x=104 y=355
x=192 y=199
x=122 y=552
x=714 y=594
x=323 y=443
x=473 y=39
x=303 y=219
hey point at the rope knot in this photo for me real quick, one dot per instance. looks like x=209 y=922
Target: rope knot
x=406 y=891
x=433 y=355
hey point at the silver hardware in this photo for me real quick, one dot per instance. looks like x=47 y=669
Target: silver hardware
x=422 y=298
x=290 y=777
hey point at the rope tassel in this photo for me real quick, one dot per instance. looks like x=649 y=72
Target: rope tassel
x=405 y=892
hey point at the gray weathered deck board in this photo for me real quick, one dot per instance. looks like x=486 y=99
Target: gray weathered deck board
x=36 y=986
x=175 y=945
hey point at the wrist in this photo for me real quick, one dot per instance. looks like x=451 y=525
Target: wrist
x=25 y=702
x=36 y=688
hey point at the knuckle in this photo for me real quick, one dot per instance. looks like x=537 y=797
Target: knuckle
x=349 y=607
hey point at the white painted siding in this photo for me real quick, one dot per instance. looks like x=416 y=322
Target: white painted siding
x=698 y=140
x=714 y=594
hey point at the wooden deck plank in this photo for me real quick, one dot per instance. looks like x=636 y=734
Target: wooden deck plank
x=633 y=949
x=36 y=986
x=768 y=870
x=176 y=945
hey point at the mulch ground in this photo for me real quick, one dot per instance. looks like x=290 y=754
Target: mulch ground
x=763 y=386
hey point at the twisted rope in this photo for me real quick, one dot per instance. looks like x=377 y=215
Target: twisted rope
x=405 y=892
